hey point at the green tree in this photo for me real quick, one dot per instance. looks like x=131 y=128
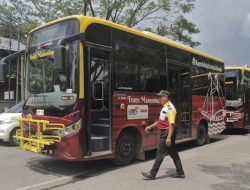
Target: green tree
x=163 y=17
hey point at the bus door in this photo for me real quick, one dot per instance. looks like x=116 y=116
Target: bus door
x=179 y=88
x=98 y=95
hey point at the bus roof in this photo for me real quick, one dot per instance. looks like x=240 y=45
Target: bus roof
x=86 y=21
x=242 y=68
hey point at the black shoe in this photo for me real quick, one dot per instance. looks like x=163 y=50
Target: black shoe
x=148 y=175
x=178 y=176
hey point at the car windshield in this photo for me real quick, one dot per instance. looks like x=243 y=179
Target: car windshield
x=17 y=108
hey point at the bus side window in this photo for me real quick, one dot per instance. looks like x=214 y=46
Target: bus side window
x=152 y=85
x=173 y=79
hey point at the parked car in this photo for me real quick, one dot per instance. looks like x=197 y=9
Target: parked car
x=9 y=123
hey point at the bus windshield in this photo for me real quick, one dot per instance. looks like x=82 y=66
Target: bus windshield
x=46 y=79
x=232 y=81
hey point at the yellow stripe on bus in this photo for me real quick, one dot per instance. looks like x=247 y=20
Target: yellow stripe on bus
x=81 y=72
x=85 y=21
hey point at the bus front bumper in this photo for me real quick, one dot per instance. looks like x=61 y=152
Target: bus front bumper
x=35 y=135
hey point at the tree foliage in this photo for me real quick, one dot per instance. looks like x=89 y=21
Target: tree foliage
x=163 y=17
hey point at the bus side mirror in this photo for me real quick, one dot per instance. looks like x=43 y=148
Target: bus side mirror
x=97 y=91
x=246 y=84
x=60 y=56
x=3 y=70
x=60 y=51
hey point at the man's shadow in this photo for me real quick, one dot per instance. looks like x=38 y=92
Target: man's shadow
x=169 y=173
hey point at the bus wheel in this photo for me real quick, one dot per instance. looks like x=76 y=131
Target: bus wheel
x=201 y=135
x=125 y=149
x=13 y=141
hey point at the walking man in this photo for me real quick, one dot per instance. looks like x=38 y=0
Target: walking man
x=166 y=125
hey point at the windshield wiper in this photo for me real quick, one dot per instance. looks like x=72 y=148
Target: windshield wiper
x=46 y=103
x=55 y=106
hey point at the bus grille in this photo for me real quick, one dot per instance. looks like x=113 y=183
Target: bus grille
x=35 y=134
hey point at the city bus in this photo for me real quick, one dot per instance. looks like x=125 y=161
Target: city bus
x=91 y=90
x=237 y=80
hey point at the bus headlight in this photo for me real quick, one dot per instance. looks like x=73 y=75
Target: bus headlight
x=76 y=127
x=71 y=129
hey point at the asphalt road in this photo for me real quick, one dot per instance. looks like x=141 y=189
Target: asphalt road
x=224 y=164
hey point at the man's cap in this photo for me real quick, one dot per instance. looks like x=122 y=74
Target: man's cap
x=163 y=93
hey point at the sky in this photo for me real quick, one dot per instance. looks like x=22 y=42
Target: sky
x=224 y=29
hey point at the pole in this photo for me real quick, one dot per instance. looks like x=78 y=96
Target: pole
x=22 y=78
x=9 y=73
x=18 y=66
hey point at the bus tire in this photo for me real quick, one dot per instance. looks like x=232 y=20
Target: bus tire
x=201 y=135
x=12 y=140
x=125 y=149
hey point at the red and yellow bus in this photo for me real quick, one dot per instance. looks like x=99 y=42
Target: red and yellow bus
x=237 y=97
x=91 y=84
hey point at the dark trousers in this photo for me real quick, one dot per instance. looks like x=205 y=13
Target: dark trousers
x=163 y=149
